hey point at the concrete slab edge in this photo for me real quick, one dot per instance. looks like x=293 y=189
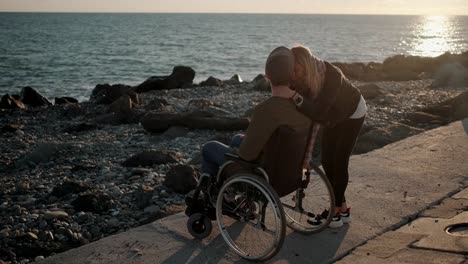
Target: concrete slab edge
x=405 y=220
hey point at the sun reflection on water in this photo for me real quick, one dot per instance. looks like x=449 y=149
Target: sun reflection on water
x=433 y=36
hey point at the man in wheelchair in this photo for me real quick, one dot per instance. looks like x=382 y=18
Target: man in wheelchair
x=256 y=186
x=275 y=112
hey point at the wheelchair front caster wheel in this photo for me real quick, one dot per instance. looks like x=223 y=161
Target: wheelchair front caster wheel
x=199 y=226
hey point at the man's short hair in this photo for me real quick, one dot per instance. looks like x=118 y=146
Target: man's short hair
x=280 y=66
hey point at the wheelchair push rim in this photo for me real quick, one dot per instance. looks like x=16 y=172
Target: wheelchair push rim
x=317 y=197
x=267 y=217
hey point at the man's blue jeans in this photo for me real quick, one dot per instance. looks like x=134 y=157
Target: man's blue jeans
x=213 y=154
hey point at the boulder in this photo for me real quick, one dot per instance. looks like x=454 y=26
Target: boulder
x=370 y=91
x=451 y=75
x=155 y=83
x=352 y=71
x=180 y=77
x=211 y=81
x=150 y=158
x=379 y=137
x=453 y=109
x=9 y=102
x=260 y=83
x=33 y=98
x=143 y=196
x=459 y=106
x=405 y=68
x=181 y=179
x=65 y=100
x=93 y=202
x=236 y=79
x=107 y=94
x=69 y=187
x=122 y=105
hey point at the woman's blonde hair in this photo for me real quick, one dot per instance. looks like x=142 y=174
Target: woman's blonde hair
x=313 y=79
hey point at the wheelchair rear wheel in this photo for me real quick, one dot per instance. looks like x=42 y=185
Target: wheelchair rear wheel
x=250 y=217
x=304 y=204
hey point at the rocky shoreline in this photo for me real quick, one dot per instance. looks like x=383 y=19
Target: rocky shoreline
x=72 y=173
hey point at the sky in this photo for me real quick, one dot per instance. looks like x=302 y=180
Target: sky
x=418 y=7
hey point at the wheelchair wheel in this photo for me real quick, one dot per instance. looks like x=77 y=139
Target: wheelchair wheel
x=305 y=204
x=250 y=217
x=199 y=226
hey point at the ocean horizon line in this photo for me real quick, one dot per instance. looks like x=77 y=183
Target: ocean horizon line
x=223 y=13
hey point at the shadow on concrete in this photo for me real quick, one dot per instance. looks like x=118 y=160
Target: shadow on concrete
x=297 y=248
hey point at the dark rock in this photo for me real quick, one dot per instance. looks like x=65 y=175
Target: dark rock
x=459 y=106
x=160 y=122
x=42 y=153
x=93 y=202
x=9 y=102
x=183 y=76
x=33 y=98
x=181 y=179
x=370 y=91
x=150 y=158
x=211 y=81
x=7 y=254
x=175 y=132
x=425 y=118
x=261 y=84
x=73 y=110
x=53 y=215
x=157 y=104
x=236 y=79
x=80 y=127
x=379 y=137
x=155 y=83
x=122 y=105
x=452 y=109
x=404 y=68
x=143 y=196
x=199 y=104
x=352 y=70
x=132 y=117
x=69 y=187
x=451 y=75
x=106 y=94
x=65 y=100
x=10 y=128
x=180 y=77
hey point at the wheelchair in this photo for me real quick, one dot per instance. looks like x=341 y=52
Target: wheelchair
x=253 y=202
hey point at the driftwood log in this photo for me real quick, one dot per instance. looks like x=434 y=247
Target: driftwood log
x=160 y=122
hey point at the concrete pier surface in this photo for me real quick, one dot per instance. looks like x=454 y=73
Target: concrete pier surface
x=388 y=189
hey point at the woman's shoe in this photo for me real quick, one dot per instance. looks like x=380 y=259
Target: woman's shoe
x=320 y=219
x=346 y=216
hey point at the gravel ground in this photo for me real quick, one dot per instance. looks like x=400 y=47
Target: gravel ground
x=34 y=223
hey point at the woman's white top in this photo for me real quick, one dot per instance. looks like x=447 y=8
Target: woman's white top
x=361 y=109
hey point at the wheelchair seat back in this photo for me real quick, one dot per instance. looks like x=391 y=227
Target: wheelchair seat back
x=283 y=157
